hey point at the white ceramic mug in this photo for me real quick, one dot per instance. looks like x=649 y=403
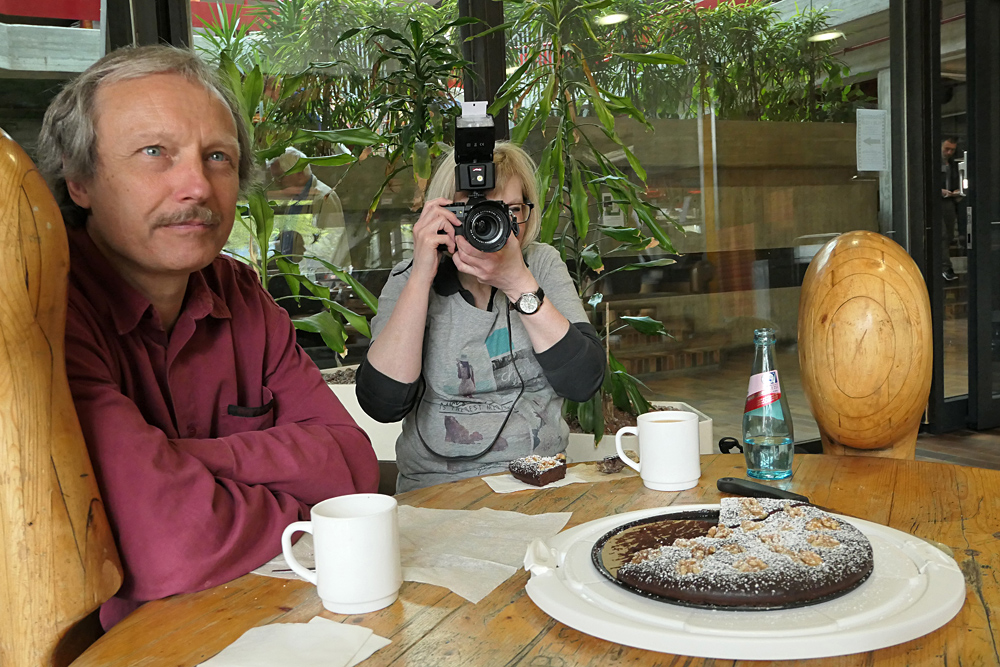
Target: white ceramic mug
x=669 y=456
x=356 y=538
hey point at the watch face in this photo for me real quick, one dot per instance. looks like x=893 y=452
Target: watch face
x=528 y=303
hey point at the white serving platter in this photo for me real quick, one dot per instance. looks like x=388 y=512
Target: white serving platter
x=913 y=590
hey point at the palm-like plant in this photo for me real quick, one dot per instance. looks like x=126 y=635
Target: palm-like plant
x=414 y=71
x=257 y=218
x=576 y=116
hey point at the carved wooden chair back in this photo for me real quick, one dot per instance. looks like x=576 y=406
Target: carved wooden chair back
x=58 y=560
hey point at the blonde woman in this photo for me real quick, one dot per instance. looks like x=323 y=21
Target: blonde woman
x=476 y=351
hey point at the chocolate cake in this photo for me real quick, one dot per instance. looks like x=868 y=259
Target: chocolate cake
x=539 y=470
x=762 y=554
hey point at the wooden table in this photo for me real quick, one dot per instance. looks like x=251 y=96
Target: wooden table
x=428 y=625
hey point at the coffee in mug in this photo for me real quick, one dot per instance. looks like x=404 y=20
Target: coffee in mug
x=356 y=538
x=669 y=456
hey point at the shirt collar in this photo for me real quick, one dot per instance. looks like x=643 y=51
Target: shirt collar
x=104 y=287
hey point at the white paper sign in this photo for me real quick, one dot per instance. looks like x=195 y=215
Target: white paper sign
x=872 y=139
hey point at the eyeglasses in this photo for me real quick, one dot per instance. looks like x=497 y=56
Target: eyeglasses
x=521 y=212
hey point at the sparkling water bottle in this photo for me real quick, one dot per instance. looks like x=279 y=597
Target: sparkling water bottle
x=768 y=440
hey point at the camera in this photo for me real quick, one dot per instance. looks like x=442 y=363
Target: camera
x=486 y=223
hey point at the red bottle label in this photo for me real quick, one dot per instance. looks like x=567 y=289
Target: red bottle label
x=764 y=389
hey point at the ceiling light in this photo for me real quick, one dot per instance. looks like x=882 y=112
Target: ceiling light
x=826 y=36
x=611 y=19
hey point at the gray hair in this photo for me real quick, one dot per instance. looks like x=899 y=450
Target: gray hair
x=510 y=161
x=67 y=143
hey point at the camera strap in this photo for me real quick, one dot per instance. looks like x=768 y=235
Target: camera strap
x=484 y=451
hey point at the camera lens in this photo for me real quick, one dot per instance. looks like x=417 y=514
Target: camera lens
x=487 y=227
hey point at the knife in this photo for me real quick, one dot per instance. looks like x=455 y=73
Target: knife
x=748 y=489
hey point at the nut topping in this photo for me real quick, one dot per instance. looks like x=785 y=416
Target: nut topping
x=750 y=564
x=822 y=540
x=688 y=566
x=810 y=558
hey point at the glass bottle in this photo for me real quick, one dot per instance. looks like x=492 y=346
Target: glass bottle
x=768 y=440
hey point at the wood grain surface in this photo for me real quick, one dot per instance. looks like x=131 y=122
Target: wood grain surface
x=58 y=560
x=431 y=626
x=865 y=346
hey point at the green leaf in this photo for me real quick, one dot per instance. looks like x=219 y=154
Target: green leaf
x=231 y=74
x=550 y=220
x=355 y=136
x=464 y=20
x=603 y=113
x=359 y=290
x=354 y=319
x=629 y=235
x=634 y=163
x=523 y=127
x=253 y=88
x=665 y=261
x=327 y=326
x=645 y=325
x=558 y=159
x=263 y=221
x=290 y=270
x=274 y=151
x=545 y=103
x=417 y=31
x=652 y=58
x=392 y=34
x=544 y=174
x=347 y=34
x=590 y=6
x=323 y=161
x=421 y=160
x=591 y=256
x=578 y=203
x=595 y=299
x=496 y=28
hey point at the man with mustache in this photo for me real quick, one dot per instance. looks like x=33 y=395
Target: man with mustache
x=209 y=428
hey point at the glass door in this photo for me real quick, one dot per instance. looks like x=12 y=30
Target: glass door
x=983 y=35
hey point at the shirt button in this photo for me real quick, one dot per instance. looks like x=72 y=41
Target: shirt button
x=192 y=431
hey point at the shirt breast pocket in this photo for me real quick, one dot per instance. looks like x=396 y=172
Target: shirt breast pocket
x=241 y=419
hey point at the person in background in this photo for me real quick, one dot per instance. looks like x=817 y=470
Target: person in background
x=476 y=374
x=309 y=208
x=952 y=215
x=208 y=427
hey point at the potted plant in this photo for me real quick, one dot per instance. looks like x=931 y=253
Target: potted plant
x=554 y=92
x=261 y=99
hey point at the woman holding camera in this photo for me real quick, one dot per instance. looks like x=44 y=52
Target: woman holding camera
x=475 y=351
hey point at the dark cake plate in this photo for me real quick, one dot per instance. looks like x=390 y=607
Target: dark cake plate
x=913 y=590
x=617 y=545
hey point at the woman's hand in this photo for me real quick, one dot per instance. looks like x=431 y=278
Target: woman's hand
x=504 y=269
x=434 y=228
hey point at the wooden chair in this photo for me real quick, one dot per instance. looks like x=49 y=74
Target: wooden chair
x=58 y=561
x=865 y=346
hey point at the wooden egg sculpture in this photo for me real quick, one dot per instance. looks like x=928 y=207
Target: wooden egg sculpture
x=865 y=346
x=58 y=560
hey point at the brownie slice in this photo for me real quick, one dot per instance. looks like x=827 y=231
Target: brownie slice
x=539 y=470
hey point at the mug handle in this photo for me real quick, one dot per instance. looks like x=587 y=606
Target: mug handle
x=286 y=549
x=618 y=445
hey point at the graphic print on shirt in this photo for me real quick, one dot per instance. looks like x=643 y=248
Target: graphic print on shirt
x=492 y=360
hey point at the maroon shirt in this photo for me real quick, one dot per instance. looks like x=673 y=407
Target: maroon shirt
x=207 y=442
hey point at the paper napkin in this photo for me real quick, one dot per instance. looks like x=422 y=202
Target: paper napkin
x=318 y=643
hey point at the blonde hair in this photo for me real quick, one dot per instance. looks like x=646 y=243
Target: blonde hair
x=510 y=161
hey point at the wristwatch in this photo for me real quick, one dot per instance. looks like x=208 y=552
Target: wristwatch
x=529 y=302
